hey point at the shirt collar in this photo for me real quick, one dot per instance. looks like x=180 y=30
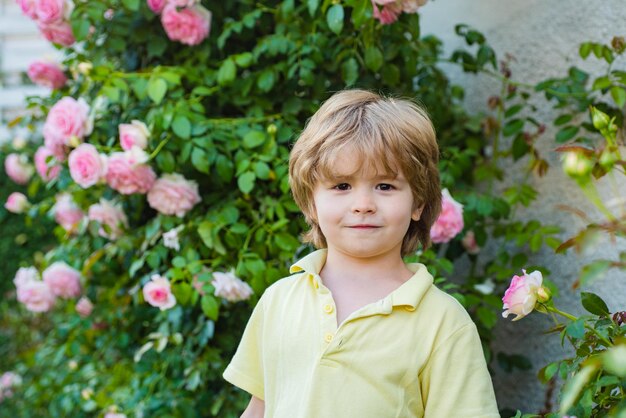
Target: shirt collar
x=409 y=294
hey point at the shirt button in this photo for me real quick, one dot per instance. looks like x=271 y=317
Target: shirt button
x=409 y=308
x=328 y=337
x=316 y=284
x=328 y=308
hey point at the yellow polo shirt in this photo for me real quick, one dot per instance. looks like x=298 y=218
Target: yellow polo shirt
x=415 y=353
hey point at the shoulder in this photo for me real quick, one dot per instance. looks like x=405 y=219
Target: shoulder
x=444 y=310
x=285 y=287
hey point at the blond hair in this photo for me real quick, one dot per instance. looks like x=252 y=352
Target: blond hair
x=385 y=133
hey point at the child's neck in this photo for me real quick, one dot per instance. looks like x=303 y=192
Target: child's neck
x=384 y=267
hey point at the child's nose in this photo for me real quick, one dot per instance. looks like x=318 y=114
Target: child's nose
x=363 y=202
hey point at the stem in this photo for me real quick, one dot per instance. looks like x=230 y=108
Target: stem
x=590 y=191
x=158 y=148
x=574 y=318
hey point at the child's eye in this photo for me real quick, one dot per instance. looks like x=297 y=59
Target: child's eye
x=342 y=186
x=385 y=186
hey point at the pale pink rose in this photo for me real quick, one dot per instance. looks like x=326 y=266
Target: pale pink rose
x=108 y=14
x=47 y=74
x=67 y=119
x=51 y=11
x=114 y=415
x=9 y=380
x=47 y=170
x=87 y=165
x=25 y=275
x=106 y=213
x=18 y=168
x=521 y=296
x=156 y=5
x=64 y=281
x=469 y=243
x=128 y=175
x=230 y=287
x=450 y=221
x=389 y=13
x=66 y=213
x=58 y=32
x=157 y=293
x=84 y=307
x=36 y=295
x=172 y=194
x=189 y=25
x=16 y=203
x=412 y=6
x=133 y=134
x=28 y=8
x=170 y=238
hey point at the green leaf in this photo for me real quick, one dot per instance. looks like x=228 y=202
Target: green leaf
x=566 y=133
x=594 y=304
x=312 y=5
x=254 y=139
x=593 y=271
x=350 y=71
x=286 y=242
x=246 y=182
x=157 y=88
x=373 y=58
x=563 y=119
x=334 y=18
x=182 y=292
x=619 y=95
x=519 y=148
x=266 y=80
x=80 y=28
x=181 y=126
x=227 y=72
x=262 y=170
x=602 y=83
x=131 y=4
x=513 y=110
x=210 y=306
x=585 y=50
x=199 y=160
x=244 y=60
x=576 y=329
x=574 y=386
x=512 y=127
x=205 y=230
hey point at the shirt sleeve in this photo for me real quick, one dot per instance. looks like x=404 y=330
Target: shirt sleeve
x=246 y=368
x=455 y=381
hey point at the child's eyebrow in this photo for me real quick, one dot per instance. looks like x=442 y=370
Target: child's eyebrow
x=339 y=177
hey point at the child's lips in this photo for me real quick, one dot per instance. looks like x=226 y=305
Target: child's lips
x=364 y=226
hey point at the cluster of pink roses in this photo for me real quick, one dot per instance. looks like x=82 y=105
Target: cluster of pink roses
x=59 y=280
x=8 y=382
x=450 y=221
x=185 y=21
x=109 y=215
x=47 y=74
x=52 y=17
x=391 y=9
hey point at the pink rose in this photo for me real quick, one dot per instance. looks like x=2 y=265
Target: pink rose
x=109 y=215
x=521 y=296
x=68 y=118
x=64 y=281
x=114 y=415
x=189 y=25
x=450 y=221
x=412 y=6
x=87 y=166
x=47 y=170
x=84 y=307
x=469 y=243
x=172 y=194
x=18 y=169
x=128 y=174
x=28 y=8
x=389 y=13
x=10 y=379
x=157 y=293
x=66 y=213
x=47 y=74
x=58 y=32
x=16 y=203
x=133 y=134
x=25 y=275
x=230 y=287
x=156 y=5
x=51 y=11
x=36 y=295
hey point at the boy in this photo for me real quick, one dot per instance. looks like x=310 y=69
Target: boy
x=357 y=333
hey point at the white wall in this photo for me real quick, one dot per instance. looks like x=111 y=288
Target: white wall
x=544 y=37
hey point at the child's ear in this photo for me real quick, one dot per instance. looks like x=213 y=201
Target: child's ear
x=417 y=213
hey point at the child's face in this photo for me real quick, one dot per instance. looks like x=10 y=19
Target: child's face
x=363 y=214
